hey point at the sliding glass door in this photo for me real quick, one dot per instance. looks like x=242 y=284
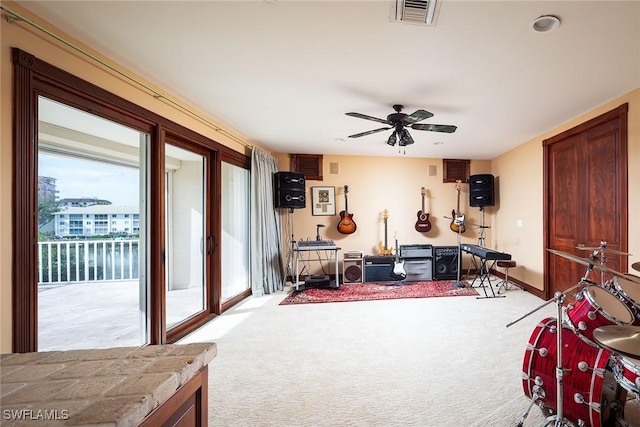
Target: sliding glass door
x=235 y=231
x=128 y=244
x=186 y=233
x=92 y=287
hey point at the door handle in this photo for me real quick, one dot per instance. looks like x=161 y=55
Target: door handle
x=210 y=245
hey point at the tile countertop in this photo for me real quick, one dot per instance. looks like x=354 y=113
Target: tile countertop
x=102 y=387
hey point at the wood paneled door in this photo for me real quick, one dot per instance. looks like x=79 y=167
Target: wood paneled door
x=585 y=198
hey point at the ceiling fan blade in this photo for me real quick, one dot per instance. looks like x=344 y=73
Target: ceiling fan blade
x=435 y=128
x=369 y=132
x=417 y=116
x=364 y=116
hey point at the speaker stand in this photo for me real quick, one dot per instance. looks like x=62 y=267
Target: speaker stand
x=458 y=283
x=482 y=228
x=290 y=259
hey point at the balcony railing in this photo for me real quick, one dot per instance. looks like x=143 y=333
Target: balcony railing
x=62 y=262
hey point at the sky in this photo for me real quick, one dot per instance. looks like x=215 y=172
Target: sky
x=77 y=177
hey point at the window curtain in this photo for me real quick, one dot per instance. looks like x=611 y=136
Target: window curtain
x=266 y=236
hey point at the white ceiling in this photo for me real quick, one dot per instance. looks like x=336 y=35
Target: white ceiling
x=283 y=73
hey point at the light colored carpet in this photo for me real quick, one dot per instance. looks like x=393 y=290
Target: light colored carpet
x=448 y=361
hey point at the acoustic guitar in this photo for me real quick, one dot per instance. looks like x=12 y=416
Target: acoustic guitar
x=423 y=225
x=384 y=250
x=398 y=272
x=346 y=224
x=457 y=221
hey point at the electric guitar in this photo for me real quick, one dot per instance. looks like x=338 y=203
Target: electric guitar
x=346 y=224
x=457 y=222
x=384 y=250
x=398 y=272
x=422 y=224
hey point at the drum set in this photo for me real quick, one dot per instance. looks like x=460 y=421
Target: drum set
x=582 y=368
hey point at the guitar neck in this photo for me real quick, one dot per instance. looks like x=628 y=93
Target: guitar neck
x=386 y=246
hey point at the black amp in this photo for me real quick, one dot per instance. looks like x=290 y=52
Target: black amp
x=445 y=262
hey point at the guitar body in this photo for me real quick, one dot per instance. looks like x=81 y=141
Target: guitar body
x=423 y=224
x=398 y=272
x=457 y=223
x=384 y=251
x=346 y=224
x=457 y=218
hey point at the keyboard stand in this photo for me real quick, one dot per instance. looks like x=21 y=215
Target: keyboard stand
x=484 y=273
x=328 y=250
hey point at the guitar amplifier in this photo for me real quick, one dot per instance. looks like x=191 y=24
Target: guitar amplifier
x=352 y=267
x=416 y=251
x=378 y=268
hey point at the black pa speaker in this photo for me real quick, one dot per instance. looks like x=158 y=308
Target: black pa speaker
x=481 y=190
x=445 y=262
x=289 y=190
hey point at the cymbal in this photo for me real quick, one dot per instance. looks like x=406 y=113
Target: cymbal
x=636 y=266
x=595 y=265
x=602 y=249
x=621 y=339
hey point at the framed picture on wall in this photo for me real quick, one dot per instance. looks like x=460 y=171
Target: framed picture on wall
x=323 y=201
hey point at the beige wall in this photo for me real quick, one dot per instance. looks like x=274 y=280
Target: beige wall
x=521 y=194
x=25 y=37
x=392 y=183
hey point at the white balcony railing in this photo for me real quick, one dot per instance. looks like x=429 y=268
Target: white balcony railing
x=62 y=262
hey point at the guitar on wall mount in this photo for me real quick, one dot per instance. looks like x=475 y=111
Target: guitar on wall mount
x=423 y=225
x=346 y=224
x=457 y=221
x=384 y=250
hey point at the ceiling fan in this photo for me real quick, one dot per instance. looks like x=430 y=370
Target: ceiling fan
x=398 y=121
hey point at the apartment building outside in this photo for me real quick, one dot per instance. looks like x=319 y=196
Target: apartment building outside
x=97 y=220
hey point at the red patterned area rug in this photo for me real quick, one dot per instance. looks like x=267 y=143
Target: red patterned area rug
x=378 y=291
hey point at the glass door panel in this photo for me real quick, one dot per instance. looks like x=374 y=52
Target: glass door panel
x=185 y=233
x=92 y=290
x=235 y=230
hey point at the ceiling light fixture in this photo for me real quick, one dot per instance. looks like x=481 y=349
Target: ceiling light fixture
x=392 y=139
x=545 y=23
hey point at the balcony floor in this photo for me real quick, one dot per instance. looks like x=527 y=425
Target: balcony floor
x=101 y=314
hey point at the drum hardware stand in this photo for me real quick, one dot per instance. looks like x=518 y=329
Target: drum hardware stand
x=558 y=419
x=538 y=392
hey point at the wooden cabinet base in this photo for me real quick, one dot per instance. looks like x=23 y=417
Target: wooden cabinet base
x=188 y=407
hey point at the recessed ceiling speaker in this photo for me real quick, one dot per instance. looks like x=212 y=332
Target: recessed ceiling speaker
x=289 y=190
x=481 y=190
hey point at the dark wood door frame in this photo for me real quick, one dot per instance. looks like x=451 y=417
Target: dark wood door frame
x=33 y=77
x=619 y=115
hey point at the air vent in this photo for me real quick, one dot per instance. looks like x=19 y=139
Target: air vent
x=417 y=12
x=308 y=164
